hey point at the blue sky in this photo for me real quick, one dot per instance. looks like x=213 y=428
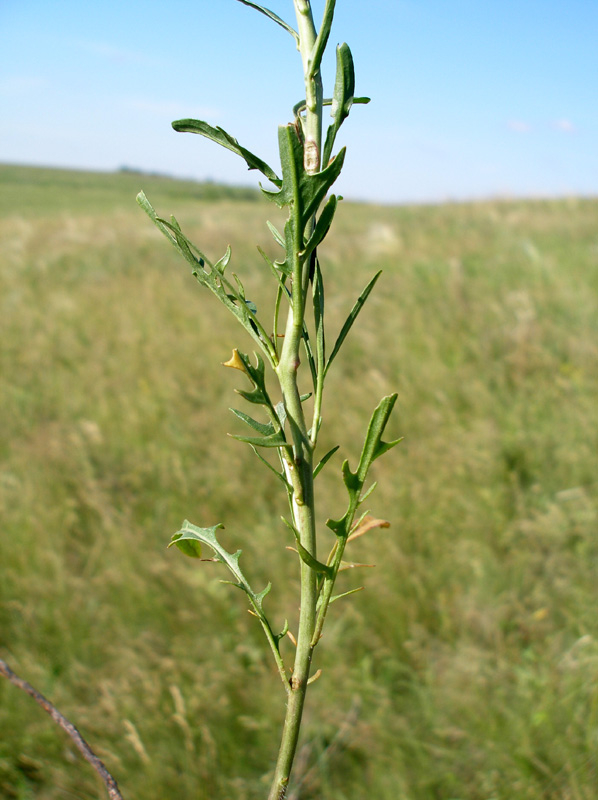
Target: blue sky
x=470 y=98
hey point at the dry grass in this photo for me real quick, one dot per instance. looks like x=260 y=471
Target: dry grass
x=474 y=649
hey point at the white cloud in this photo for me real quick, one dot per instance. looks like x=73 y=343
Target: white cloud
x=519 y=126
x=564 y=125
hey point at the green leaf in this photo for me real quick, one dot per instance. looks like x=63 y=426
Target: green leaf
x=305 y=555
x=365 y=496
x=298 y=186
x=189 y=541
x=224 y=139
x=223 y=262
x=325 y=459
x=309 y=353
x=318 y=301
x=266 y=429
x=213 y=278
x=322 y=226
x=271 y=15
x=279 y=475
x=344 y=89
x=343 y=99
x=275 y=233
x=256 y=396
x=173 y=233
x=317 y=52
x=276 y=440
x=284 y=631
x=257 y=376
x=373 y=448
x=313 y=563
x=351 y=319
x=191 y=535
x=281 y=413
x=345 y=594
x=278 y=269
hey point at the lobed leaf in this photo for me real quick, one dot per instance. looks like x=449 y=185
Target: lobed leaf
x=190 y=536
x=214 y=279
x=373 y=448
x=298 y=186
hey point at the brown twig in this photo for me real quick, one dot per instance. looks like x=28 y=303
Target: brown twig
x=62 y=721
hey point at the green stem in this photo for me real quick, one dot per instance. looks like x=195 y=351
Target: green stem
x=313 y=84
x=299 y=469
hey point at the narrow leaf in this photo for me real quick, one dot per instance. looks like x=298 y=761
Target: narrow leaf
x=322 y=226
x=275 y=233
x=266 y=429
x=365 y=496
x=278 y=474
x=257 y=396
x=276 y=440
x=224 y=139
x=310 y=354
x=318 y=301
x=346 y=594
x=271 y=15
x=281 y=413
x=313 y=563
x=325 y=459
x=322 y=38
x=351 y=319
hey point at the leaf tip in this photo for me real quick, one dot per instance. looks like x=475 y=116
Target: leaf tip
x=235 y=362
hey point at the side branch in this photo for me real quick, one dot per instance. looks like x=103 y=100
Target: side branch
x=62 y=721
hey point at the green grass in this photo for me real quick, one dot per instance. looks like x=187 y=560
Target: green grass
x=467 y=670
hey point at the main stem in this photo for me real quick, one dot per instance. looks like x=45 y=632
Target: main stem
x=299 y=469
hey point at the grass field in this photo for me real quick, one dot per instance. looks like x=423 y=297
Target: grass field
x=467 y=670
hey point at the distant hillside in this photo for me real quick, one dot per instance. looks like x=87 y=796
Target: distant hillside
x=35 y=190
